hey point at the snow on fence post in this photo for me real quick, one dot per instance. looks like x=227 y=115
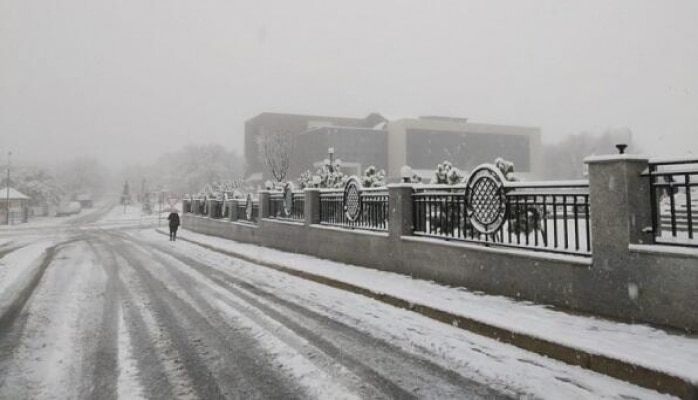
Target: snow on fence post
x=263 y=204
x=619 y=207
x=400 y=210
x=312 y=206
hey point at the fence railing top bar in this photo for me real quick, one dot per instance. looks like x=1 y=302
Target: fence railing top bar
x=673 y=160
x=548 y=192
x=376 y=189
x=439 y=193
x=438 y=187
x=332 y=194
x=548 y=184
x=673 y=171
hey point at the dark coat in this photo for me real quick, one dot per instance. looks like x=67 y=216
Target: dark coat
x=174 y=219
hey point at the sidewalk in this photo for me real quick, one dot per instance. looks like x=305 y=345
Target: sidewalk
x=639 y=354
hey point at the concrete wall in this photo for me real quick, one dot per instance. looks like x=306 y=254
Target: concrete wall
x=625 y=278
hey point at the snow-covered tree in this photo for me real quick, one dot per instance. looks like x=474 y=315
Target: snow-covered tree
x=328 y=176
x=447 y=174
x=83 y=175
x=190 y=169
x=37 y=183
x=506 y=168
x=373 y=177
x=305 y=180
x=276 y=149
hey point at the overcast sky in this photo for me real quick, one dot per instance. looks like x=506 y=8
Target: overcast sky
x=125 y=80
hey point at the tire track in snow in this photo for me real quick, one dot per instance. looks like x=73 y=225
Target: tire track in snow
x=375 y=361
x=43 y=357
x=310 y=366
x=248 y=376
x=12 y=311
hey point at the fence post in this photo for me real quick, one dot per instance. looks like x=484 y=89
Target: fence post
x=619 y=205
x=234 y=210
x=209 y=207
x=263 y=204
x=311 y=206
x=400 y=222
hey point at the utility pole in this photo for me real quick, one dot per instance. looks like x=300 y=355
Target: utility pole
x=7 y=202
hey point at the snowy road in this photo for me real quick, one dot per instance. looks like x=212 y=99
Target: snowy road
x=101 y=308
x=122 y=314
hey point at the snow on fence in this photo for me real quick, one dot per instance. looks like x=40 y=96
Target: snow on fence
x=288 y=205
x=674 y=201
x=542 y=216
x=248 y=211
x=547 y=216
x=372 y=212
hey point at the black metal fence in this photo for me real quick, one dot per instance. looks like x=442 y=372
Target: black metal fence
x=674 y=201
x=243 y=215
x=277 y=206
x=550 y=217
x=217 y=209
x=373 y=213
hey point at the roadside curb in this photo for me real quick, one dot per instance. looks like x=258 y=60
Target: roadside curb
x=616 y=368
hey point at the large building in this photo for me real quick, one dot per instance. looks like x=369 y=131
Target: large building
x=293 y=124
x=421 y=143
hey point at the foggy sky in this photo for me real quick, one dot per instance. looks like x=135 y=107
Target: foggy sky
x=126 y=80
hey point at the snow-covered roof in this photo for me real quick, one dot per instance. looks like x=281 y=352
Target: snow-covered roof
x=14 y=194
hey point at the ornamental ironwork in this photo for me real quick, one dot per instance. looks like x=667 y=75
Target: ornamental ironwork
x=248 y=207
x=485 y=199
x=288 y=199
x=352 y=199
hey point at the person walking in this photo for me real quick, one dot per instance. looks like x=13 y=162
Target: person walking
x=174 y=224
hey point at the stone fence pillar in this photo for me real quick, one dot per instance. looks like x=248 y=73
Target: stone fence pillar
x=263 y=204
x=400 y=205
x=311 y=207
x=620 y=207
x=234 y=209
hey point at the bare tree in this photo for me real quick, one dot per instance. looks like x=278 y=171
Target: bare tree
x=276 y=149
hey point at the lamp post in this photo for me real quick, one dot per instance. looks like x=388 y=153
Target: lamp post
x=331 y=152
x=7 y=200
x=406 y=173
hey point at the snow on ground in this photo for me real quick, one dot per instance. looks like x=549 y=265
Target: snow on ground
x=634 y=343
x=499 y=365
x=17 y=269
x=318 y=381
x=49 y=360
x=127 y=213
x=128 y=386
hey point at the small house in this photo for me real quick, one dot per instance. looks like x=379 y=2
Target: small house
x=18 y=206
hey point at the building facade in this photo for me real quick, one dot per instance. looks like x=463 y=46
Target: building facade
x=421 y=143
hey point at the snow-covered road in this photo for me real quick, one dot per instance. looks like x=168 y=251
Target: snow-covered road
x=100 y=311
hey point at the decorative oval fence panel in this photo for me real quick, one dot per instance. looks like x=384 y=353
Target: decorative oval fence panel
x=485 y=199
